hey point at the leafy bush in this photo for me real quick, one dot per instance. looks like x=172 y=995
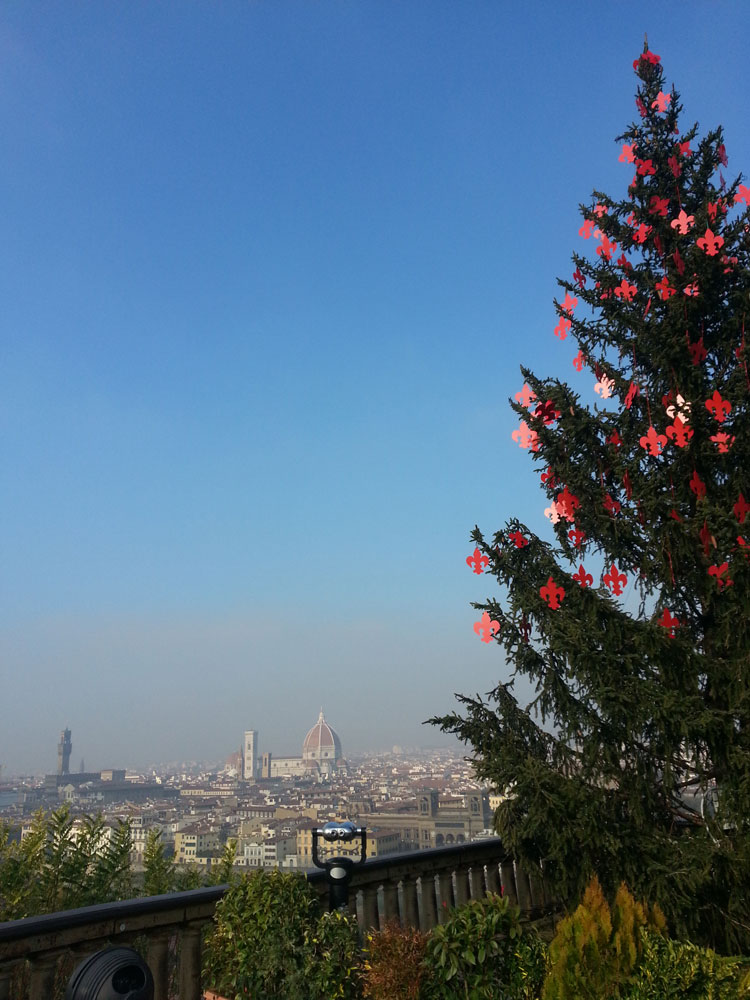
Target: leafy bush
x=595 y=950
x=676 y=970
x=482 y=953
x=271 y=943
x=59 y=866
x=394 y=967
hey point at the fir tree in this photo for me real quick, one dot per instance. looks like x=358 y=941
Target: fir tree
x=633 y=760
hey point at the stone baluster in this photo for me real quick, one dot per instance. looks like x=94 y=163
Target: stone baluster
x=429 y=903
x=42 y=977
x=158 y=960
x=537 y=890
x=6 y=979
x=411 y=905
x=509 y=882
x=370 y=906
x=390 y=903
x=494 y=883
x=445 y=885
x=190 y=961
x=476 y=882
x=461 y=887
x=523 y=888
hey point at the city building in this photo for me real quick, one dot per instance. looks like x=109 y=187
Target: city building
x=322 y=756
x=64 y=750
x=250 y=755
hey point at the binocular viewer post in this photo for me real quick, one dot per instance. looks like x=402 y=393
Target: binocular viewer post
x=339 y=868
x=111 y=974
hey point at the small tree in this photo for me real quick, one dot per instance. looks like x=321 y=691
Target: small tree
x=159 y=872
x=633 y=761
x=60 y=865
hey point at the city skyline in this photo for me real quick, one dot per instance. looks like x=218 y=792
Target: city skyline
x=269 y=272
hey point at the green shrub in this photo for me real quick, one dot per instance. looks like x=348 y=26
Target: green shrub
x=394 y=969
x=595 y=950
x=676 y=970
x=481 y=953
x=270 y=942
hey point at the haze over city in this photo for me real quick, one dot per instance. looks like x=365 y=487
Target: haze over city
x=268 y=274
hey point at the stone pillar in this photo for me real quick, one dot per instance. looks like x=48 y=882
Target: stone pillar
x=370 y=906
x=411 y=906
x=523 y=888
x=462 y=886
x=537 y=890
x=6 y=979
x=390 y=903
x=509 y=882
x=190 y=962
x=493 y=878
x=476 y=882
x=158 y=961
x=42 y=978
x=445 y=884
x=429 y=904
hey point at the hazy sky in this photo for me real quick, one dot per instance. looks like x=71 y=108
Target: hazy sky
x=267 y=273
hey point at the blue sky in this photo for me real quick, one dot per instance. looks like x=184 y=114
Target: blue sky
x=268 y=271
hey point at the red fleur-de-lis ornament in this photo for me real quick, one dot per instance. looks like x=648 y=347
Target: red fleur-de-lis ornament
x=707 y=539
x=627 y=484
x=518 y=540
x=552 y=594
x=526 y=396
x=577 y=537
x=582 y=577
x=567 y=504
x=719 y=408
x=721 y=574
x=615 y=580
x=549 y=479
x=525 y=437
x=710 y=243
x=632 y=392
x=683 y=223
x=741 y=509
x=664 y=289
x=612 y=506
x=547 y=412
x=679 y=433
x=653 y=442
x=569 y=303
x=486 y=627
x=697 y=351
x=477 y=561
x=563 y=325
x=625 y=291
x=723 y=441
x=669 y=622
x=697 y=485
x=659 y=206
x=579 y=361
x=662 y=101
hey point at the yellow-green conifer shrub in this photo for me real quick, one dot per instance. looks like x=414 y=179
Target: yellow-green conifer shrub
x=596 y=949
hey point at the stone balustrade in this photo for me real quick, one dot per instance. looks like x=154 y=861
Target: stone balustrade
x=416 y=889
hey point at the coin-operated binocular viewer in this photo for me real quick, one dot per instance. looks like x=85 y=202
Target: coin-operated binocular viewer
x=111 y=974
x=339 y=868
